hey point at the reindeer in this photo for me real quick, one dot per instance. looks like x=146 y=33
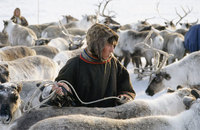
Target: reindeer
x=15 y=52
x=54 y=31
x=63 y=56
x=139 y=26
x=173 y=44
x=28 y=68
x=184 y=72
x=186 y=120
x=187 y=25
x=128 y=39
x=38 y=28
x=170 y=103
x=107 y=18
x=10 y=104
x=19 y=35
x=46 y=50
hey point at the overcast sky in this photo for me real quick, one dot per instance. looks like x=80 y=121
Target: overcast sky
x=127 y=11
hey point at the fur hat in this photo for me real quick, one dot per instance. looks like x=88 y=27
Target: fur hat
x=97 y=36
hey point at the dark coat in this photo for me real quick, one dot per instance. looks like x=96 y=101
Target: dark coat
x=93 y=81
x=23 y=20
x=192 y=39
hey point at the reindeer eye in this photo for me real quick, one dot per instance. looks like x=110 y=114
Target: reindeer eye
x=157 y=79
x=14 y=87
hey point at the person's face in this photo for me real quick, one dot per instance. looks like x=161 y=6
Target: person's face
x=17 y=13
x=108 y=49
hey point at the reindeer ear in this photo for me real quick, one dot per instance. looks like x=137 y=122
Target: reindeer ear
x=5 y=65
x=19 y=87
x=179 y=87
x=195 y=93
x=5 y=23
x=169 y=90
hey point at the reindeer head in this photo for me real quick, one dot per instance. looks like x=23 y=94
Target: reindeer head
x=156 y=84
x=42 y=41
x=187 y=25
x=7 y=23
x=9 y=101
x=69 y=18
x=170 y=24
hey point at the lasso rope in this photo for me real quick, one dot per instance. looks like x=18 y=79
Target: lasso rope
x=91 y=102
x=28 y=106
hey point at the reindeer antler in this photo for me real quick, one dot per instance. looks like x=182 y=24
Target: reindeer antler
x=104 y=8
x=65 y=31
x=156 y=66
x=185 y=14
x=98 y=10
x=157 y=9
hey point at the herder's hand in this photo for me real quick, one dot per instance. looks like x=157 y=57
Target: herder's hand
x=124 y=98
x=59 y=90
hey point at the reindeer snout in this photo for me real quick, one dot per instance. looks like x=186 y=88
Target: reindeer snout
x=149 y=92
x=5 y=115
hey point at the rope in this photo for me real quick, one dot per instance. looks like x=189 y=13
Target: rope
x=91 y=102
x=28 y=107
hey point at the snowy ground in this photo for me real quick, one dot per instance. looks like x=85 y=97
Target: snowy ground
x=140 y=85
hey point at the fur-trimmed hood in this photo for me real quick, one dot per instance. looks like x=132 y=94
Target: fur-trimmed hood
x=97 y=37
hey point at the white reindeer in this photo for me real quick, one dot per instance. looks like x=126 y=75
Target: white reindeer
x=185 y=72
x=19 y=35
x=128 y=39
x=62 y=57
x=135 y=26
x=173 y=44
x=28 y=68
x=60 y=43
x=80 y=27
x=38 y=28
x=187 y=120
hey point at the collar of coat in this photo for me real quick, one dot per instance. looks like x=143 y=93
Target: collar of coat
x=87 y=57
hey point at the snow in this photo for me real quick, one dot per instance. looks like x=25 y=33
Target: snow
x=126 y=11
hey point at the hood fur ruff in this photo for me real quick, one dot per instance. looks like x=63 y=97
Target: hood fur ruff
x=97 y=37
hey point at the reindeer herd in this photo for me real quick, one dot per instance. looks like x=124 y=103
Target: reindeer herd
x=34 y=54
